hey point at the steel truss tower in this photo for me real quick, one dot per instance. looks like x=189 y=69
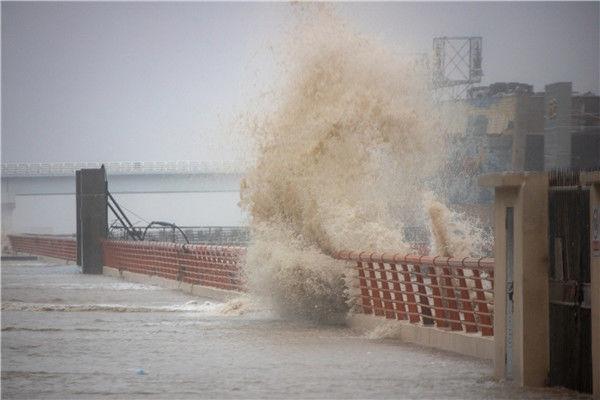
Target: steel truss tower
x=456 y=65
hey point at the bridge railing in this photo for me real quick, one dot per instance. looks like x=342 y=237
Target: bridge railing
x=12 y=170
x=449 y=293
x=63 y=248
x=214 y=266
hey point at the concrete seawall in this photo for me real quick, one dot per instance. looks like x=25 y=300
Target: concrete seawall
x=196 y=290
x=457 y=342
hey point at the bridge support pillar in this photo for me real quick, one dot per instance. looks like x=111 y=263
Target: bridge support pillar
x=92 y=225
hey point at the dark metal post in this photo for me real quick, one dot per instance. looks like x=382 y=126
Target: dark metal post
x=78 y=213
x=92 y=218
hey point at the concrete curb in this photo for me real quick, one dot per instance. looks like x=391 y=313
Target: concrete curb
x=469 y=344
x=196 y=290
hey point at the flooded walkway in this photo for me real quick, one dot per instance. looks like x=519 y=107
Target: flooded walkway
x=68 y=335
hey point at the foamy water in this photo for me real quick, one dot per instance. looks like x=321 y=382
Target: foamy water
x=347 y=150
x=206 y=307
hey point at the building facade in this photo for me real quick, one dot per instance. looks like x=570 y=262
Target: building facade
x=509 y=127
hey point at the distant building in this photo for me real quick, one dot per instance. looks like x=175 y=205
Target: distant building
x=585 y=131
x=509 y=127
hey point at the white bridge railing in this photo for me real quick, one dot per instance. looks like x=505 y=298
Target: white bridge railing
x=120 y=168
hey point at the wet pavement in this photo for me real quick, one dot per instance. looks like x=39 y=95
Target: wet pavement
x=69 y=335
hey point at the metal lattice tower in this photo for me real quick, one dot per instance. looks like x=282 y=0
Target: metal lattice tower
x=456 y=65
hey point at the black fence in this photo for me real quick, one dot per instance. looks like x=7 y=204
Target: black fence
x=213 y=235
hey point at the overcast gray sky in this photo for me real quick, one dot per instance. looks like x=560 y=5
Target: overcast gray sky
x=162 y=81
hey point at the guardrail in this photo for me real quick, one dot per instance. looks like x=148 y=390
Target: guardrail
x=449 y=293
x=61 y=248
x=455 y=294
x=214 y=266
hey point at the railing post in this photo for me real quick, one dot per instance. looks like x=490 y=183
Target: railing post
x=440 y=313
x=378 y=307
x=387 y=298
x=453 y=314
x=469 y=322
x=413 y=312
x=423 y=299
x=482 y=305
x=364 y=290
x=401 y=312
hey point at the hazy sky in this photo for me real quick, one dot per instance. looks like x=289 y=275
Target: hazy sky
x=163 y=81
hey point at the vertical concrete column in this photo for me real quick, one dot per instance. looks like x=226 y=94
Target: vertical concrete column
x=521 y=325
x=593 y=179
x=92 y=224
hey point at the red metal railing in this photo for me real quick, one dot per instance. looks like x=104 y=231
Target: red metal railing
x=454 y=294
x=215 y=266
x=62 y=248
x=449 y=293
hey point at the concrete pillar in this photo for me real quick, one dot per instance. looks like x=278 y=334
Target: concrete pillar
x=92 y=224
x=521 y=244
x=593 y=179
